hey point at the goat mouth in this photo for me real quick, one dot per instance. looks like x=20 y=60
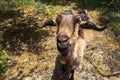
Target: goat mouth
x=63 y=45
x=63 y=49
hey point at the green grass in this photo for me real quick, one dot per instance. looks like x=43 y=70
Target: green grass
x=13 y=4
x=47 y=9
x=113 y=21
x=16 y=4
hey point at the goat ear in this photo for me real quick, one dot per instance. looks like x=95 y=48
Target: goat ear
x=91 y=25
x=48 y=22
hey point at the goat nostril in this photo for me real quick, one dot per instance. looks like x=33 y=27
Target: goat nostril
x=62 y=39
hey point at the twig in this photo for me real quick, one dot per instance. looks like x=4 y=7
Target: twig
x=104 y=75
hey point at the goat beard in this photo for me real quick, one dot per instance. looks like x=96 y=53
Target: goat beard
x=65 y=50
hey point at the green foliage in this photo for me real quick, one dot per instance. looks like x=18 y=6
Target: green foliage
x=3 y=59
x=13 y=4
x=115 y=22
x=112 y=19
x=47 y=9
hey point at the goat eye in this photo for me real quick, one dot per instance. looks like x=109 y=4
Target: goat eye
x=58 y=19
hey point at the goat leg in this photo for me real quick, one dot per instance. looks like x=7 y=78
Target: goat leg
x=72 y=75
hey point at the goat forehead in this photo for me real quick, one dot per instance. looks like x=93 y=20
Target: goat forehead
x=67 y=19
x=67 y=16
x=66 y=25
x=67 y=12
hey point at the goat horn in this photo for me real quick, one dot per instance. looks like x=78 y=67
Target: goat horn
x=91 y=25
x=48 y=22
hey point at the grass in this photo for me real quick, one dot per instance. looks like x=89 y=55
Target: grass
x=3 y=59
x=113 y=21
x=37 y=5
x=47 y=9
x=11 y=4
x=112 y=17
x=3 y=56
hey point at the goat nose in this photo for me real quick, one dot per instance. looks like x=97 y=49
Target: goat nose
x=61 y=39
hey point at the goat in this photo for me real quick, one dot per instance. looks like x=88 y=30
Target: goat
x=72 y=38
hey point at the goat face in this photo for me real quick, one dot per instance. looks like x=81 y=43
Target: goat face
x=66 y=23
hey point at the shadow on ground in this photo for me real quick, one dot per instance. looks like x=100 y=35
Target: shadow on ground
x=61 y=72
x=20 y=32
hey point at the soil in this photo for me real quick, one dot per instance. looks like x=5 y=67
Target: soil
x=32 y=52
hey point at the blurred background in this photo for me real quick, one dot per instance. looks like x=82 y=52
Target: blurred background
x=29 y=53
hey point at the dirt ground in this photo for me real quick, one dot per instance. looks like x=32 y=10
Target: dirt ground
x=32 y=52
